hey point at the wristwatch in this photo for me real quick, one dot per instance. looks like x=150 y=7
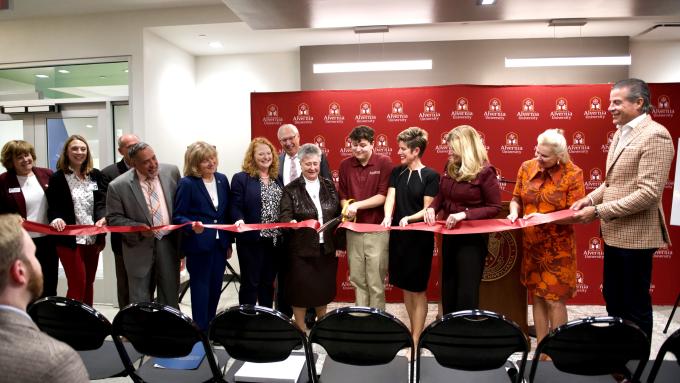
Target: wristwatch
x=597 y=213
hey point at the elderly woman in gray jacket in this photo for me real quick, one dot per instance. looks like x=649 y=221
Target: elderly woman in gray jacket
x=311 y=261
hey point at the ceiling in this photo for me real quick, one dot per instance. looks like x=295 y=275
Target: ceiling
x=285 y=25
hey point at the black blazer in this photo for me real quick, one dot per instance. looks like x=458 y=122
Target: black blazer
x=60 y=204
x=14 y=202
x=109 y=174
x=296 y=204
x=246 y=203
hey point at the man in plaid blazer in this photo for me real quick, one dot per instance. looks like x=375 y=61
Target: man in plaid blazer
x=628 y=203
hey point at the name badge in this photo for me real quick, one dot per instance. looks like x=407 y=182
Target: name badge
x=92 y=186
x=15 y=190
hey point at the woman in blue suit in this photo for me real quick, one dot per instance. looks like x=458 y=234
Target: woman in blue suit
x=203 y=198
x=255 y=195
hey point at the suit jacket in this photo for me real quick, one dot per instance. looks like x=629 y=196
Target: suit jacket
x=126 y=206
x=296 y=204
x=110 y=173
x=60 y=204
x=29 y=355
x=193 y=203
x=629 y=199
x=325 y=170
x=246 y=203
x=15 y=202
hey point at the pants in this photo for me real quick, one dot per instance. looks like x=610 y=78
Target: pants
x=206 y=272
x=80 y=266
x=121 y=280
x=463 y=259
x=163 y=273
x=626 y=279
x=258 y=262
x=367 y=255
x=46 y=253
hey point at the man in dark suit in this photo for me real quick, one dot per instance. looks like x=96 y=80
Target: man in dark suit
x=289 y=170
x=26 y=353
x=144 y=197
x=111 y=172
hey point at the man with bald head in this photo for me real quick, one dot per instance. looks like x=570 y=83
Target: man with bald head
x=26 y=353
x=125 y=142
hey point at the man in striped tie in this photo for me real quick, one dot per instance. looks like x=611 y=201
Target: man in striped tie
x=144 y=197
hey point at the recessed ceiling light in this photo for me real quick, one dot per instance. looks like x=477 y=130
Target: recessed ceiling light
x=90 y=126
x=486 y=2
x=42 y=76
x=215 y=44
x=203 y=35
x=64 y=71
x=102 y=76
x=126 y=70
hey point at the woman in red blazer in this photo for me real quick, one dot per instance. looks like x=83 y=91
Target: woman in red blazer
x=76 y=197
x=22 y=191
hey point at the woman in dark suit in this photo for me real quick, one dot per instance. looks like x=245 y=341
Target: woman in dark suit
x=22 y=191
x=203 y=198
x=75 y=197
x=255 y=197
x=311 y=262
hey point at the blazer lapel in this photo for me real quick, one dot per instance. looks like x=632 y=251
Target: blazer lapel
x=620 y=145
x=164 y=180
x=19 y=200
x=139 y=197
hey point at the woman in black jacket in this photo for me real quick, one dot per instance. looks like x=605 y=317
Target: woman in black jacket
x=75 y=197
x=312 y=265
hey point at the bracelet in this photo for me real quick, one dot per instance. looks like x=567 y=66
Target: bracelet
x=597 y=213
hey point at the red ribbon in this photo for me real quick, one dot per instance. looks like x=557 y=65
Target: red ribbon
x=94 y=230
x=462 y=227
x=465 y=227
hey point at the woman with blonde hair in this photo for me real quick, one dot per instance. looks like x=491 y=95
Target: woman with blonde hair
x=546 y=183
x=203 y=198
x=255 y=197
x=412 y=188
x=75 y=196
x=468 y=190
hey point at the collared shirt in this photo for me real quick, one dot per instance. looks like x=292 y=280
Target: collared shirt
x=16 y=310
x=627 y=128
x=287 y=163
x=360 y=182
x=82 y=195
x=161 y=196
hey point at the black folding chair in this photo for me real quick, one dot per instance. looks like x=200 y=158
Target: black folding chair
x=85 y=330
x=259 y=334
x=471 y=340
x=363 y=336
x=671 y=344
x=230 y=276
x=161 y=331
x=593 y=346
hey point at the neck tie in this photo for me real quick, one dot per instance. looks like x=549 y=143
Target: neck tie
x=154 y=207
x=293 y=169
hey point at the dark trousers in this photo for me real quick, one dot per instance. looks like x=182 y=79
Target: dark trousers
x=626 y=280
x=46 y=252
x=462 y=267
x=121 y=280
x=258 y=261
x=206 y=272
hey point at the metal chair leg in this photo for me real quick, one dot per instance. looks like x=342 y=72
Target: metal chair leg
x=670 y=318
x=233 y=276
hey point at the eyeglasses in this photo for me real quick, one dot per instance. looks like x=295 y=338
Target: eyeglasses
x=285 y=139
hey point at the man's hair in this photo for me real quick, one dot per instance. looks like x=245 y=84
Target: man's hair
x=120 y=139
x=287 y=126
x=362 y=132
x=11 y=245
x=136 y=148
x=636 y=89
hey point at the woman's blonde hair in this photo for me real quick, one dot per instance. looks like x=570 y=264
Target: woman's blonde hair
x=465 y=142
x=554 y=138
x=250 y=166
x=196 y=153
x=63 y=163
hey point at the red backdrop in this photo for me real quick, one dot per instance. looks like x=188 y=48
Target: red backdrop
x=509 y=119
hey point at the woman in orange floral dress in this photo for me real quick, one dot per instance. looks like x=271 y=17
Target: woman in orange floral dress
x=547 y=183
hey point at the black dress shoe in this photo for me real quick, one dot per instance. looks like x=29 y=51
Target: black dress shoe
x=310 y=318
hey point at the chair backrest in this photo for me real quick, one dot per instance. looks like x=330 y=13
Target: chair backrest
x=671 y=344
x=259 y=334
x=473 y=340
x=72 y=322
x=361 y=336
x=595 y=346
x=160 y=331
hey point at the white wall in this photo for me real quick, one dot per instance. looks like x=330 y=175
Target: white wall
x=223 y=87
x=655 y=61
x=169 y=87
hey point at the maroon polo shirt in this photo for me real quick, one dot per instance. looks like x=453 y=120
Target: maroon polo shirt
x=359 y=182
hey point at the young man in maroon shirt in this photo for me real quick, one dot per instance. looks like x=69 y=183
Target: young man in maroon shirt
x=364 y=180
